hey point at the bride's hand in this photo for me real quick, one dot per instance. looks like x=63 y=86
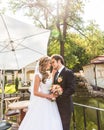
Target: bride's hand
x=52 y=96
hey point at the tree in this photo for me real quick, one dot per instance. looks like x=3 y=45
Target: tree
x=61 y=16
x=94 y=43
x=69 y=36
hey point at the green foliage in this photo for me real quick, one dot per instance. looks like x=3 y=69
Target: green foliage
x=16 y=83
x=9 y=89
x=55 y=34
x=79 y=50
x=5 y=80
x=91 y=117
x=75 y=54
x=69 y=36
x=95 y=41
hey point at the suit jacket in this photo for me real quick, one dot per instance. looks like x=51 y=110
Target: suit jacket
x=64 y=101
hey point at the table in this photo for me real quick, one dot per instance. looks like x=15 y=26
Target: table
x=19 y=105
x=23 y=89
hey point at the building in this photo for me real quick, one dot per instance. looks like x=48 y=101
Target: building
x=94 y=72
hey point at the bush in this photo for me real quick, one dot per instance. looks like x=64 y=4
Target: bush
x=9 y=89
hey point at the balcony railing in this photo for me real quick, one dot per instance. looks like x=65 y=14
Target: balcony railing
x=82 y=119
x=84 y=108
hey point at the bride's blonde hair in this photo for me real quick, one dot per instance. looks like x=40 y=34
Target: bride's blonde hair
x=43 y=67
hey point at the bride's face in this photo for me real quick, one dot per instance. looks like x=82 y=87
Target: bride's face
x=48 y=65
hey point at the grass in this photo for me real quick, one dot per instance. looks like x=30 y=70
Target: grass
x=9 y=89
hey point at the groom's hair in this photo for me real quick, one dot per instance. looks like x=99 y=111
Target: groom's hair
x=58 y=57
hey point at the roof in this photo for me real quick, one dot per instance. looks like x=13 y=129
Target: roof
x=98 y=59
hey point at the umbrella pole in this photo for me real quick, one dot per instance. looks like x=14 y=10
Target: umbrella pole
x=3 y=124
x=2 y=95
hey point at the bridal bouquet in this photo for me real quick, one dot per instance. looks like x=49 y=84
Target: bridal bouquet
x=56 y=89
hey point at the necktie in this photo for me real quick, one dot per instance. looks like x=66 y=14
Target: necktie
x=56 y=75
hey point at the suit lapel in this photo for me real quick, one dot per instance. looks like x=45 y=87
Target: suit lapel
x=62 y=72
x=55 y=77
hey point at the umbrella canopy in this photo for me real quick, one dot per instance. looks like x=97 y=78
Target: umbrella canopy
x=20 y=43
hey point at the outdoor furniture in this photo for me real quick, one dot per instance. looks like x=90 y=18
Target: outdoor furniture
x=23 y=89
x=9 y=113
x=21 y=105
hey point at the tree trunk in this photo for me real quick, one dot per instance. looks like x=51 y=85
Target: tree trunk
x=62 y=48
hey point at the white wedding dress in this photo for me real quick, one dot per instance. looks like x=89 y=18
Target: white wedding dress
x=42 y=113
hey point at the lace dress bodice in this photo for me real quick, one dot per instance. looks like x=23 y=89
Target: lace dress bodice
x=43 y=87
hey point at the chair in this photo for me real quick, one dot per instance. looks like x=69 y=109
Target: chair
x=9 y=113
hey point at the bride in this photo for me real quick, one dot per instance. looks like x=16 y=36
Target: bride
x=42 y=112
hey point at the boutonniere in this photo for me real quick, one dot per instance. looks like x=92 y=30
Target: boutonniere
x=59 y=79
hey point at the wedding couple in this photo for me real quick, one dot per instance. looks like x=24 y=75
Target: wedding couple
x=43 y=113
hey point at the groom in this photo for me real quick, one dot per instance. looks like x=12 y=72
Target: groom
x=64 y=101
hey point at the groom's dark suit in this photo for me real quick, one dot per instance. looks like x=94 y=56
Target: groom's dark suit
x=64 y=102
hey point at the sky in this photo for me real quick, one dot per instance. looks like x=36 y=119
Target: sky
x=93 y=11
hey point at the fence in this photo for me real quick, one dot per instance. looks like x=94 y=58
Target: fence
x=84 y=110
x=97 y=112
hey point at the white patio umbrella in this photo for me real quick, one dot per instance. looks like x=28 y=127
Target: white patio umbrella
x=20 y=43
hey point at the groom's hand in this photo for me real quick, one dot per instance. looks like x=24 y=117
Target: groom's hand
x=56 y=95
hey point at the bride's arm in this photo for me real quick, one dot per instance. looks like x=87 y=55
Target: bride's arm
x=36 y=88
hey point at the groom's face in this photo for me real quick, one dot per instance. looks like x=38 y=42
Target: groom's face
x=54 y=64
